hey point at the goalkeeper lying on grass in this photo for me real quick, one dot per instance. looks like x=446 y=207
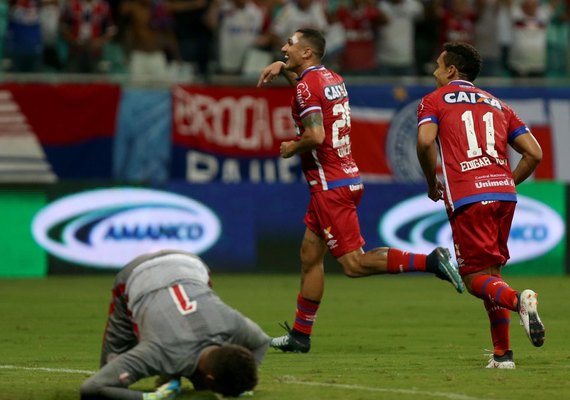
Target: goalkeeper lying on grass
x=166 y=320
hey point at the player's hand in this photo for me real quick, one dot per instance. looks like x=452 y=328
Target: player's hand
x=287 y=149
x=270 y=72
x=435 y=192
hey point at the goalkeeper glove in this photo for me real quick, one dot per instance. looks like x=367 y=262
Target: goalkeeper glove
x=168 y=391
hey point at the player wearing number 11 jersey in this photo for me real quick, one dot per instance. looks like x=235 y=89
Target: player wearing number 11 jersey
x=473 y=130
x=321 y=111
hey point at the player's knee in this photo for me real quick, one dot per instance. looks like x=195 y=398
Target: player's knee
x=89 y=390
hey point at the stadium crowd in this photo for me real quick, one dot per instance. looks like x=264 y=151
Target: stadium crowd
x=196 y=38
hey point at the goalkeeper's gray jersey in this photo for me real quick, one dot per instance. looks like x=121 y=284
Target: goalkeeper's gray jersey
x=160 y=268
x=176 y=315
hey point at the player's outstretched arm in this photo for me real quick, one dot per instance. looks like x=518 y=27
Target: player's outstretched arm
x=113 y=380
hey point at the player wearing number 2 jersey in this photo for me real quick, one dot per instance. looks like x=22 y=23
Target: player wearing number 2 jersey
x=321 y=112
x=330 y=165
x=473 y=130
x=165 y=320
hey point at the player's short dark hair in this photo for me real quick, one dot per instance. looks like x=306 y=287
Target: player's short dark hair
x=315 y=39
x=465 y=57
x=234 y=370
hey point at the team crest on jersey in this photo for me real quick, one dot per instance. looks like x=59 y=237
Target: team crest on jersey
x=303 y=94
x=471 y=98
x=335 y=92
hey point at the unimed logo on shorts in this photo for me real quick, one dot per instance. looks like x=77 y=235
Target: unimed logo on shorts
x=418 y=224
x=106 y=228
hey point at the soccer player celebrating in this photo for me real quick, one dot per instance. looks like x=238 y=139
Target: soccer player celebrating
x=473 y=129
x=321 y=111
x=165 y=320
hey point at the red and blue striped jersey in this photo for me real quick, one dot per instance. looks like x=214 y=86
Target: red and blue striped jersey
x=474 y=129
x=331 y=164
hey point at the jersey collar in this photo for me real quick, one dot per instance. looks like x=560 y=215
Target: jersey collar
x=460 y=82
x=313 y=68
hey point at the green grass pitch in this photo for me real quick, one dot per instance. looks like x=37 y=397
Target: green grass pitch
x=382 y=337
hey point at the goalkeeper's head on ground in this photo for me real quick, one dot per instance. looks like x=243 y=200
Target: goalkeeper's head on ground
x=230 y=370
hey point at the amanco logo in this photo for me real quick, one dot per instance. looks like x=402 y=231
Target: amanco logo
x=106 y=228
x=419 y=224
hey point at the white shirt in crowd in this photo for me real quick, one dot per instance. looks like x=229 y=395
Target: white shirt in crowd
x=238 y=30
x=396 y=43
x=528 y=51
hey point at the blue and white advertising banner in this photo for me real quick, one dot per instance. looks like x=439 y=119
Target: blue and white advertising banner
x=105 y=228
x=402 y=216
x=246 y=227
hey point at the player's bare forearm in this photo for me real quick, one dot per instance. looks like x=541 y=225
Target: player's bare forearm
x=291 y=77
x=292 y=147
x=427 y=156
x=313 y=136
x=272 y=71
x=524 y=169
x=531 y=152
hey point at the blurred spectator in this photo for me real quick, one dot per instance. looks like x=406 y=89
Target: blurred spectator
x=568 y=47
x=504 y=33
x=528 y=52
x=114 y=6
x=396 y=43
x=426 y=38
x=360 y=20
x=458 y=22
x=24 y=37
x=558 y=36
x=295 y=15
x=148 y=38
x=298 y=14
x=86 y=26
x=3 y=25
x=194 y=37
x=239 y=24
x=487 y=36
x=49 y=22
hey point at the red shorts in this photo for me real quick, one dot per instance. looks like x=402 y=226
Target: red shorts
x=480 y=234
x=332 y=215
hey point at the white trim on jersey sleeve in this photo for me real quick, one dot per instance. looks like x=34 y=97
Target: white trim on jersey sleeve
x=424 y=120
x=309 y=109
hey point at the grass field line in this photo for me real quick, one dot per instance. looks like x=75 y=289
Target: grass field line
x=63 y=370
x=287 y=380
x=422 y=393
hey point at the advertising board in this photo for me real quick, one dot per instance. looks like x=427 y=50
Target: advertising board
x=73 y=228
